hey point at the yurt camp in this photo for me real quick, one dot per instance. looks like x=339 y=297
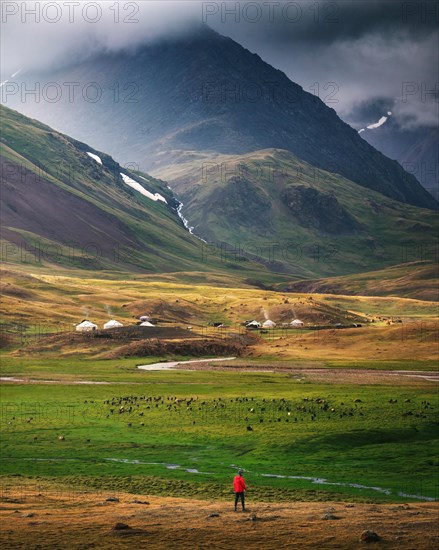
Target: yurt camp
x=86 y=326
x=253 y=324
x=112 y=324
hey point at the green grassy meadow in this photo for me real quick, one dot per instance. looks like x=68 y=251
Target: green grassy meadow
x=338 y=433
x=311 y=438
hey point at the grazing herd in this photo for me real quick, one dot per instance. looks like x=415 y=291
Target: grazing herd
x=140 y=410
x=249 y=414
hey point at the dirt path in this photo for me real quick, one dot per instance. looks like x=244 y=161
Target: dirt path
x=71 y=521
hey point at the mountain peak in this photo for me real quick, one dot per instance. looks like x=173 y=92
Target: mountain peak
x=205 y=93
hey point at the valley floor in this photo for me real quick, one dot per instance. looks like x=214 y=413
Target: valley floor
x=353 y=404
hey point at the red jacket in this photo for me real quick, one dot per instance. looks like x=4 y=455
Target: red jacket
x=239 y=484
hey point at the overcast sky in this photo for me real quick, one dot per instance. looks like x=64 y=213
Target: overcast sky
x=360 y=57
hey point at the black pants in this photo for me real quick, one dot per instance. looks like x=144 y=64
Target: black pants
x=237 y=497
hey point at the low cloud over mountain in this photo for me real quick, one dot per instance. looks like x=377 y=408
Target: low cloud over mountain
x=345 y=52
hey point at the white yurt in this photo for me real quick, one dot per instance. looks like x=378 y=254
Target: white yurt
x=269 y=324
x=112 y=324
x=146 y=324
x=296 y=323
x=253 y=324
x=144 y=318
x=86 y=326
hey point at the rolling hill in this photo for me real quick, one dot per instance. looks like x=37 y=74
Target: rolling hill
x=272 y=205
x=265 y=217
x=66 y=204
x=417 y=280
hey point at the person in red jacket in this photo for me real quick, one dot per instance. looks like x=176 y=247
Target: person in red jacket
x=239 y=488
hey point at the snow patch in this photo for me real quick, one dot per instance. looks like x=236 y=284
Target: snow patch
x=94 y=157
x=135 y=185
x=381 y=121
x=12 y=76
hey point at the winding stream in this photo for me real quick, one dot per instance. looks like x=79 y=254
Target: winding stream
x=195 y=471
x=169 y=365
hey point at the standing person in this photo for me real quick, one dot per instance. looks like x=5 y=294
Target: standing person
x=239 y=488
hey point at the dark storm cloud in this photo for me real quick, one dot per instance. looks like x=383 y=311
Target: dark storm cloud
x=368 y=110
x=323 y=22
x=38 y=35
x=347 y=52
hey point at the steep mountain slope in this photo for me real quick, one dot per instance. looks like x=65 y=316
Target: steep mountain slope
x=272 y=205
x=65 y=203
x=198 y=94
x=421 y=156
x=417 y=150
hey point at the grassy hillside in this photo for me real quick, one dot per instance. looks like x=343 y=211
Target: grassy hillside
x=267 y=216
x=35 y=306
x=410 y=280
x=37 y=297
x=60 y=206
x=271 y=205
